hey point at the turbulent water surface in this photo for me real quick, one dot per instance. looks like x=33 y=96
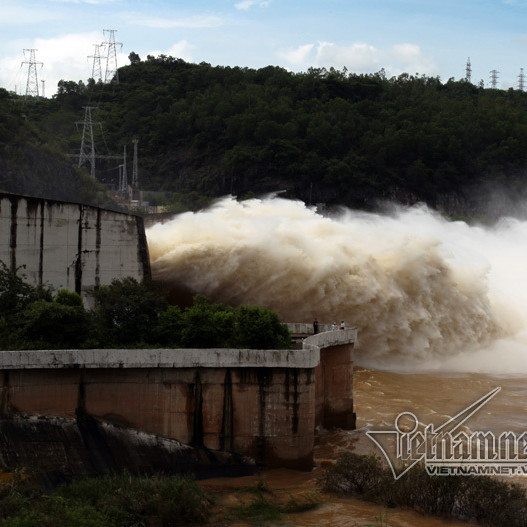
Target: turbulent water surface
x=440 y=306
x=423 y=292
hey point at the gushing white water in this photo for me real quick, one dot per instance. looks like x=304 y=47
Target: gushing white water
x=424 y=292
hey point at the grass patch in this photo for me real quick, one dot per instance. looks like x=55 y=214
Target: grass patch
x=486 y=500
x=117 y=500
x=258 y=512
x=266 y=507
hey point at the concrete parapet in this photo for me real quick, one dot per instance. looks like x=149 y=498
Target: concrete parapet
x=331 y=338
x=301 y=328
x=158 y=358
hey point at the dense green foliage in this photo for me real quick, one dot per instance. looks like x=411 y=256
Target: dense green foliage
x=325 y=135
x=117 y=501
x=482 y=499
x=32 y=161
x=127 y=313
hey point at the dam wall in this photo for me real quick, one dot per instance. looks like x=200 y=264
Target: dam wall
x=68 y=245
x=262 y=404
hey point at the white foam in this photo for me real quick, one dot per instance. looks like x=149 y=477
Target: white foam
x=424 y=292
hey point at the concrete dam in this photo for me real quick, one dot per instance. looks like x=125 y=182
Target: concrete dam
x=69 y=245
x=94 y=411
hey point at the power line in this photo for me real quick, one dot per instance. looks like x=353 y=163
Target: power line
x=32 y=80
x=87 y=150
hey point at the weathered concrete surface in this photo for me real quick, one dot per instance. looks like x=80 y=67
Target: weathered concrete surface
x=263 y=404
x=159 y=358
x=59 y=448
x=334 y=378
x=257 y=403
x=331 y=338
x=69 y=245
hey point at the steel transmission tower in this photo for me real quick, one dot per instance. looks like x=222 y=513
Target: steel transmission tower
x=521 y=80
x=494 y=79
x=135 y=175
x=112 y=73
x=96 y=71
x=32 y=80
x=468 y=71
x=87 y=151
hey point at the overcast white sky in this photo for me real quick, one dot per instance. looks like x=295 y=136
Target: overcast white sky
x=432 y=37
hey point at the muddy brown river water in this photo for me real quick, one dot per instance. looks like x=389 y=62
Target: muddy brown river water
x=379 y=397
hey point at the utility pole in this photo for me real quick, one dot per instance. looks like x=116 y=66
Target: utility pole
x=112 y=73
x=135 y=175
x=124 y=179
x=468 y=71
x=120 y=184
x=43 y=88
x=521 y=80
x=96 y=71
x=32 y=81
x=87 y=151
x=494 y=79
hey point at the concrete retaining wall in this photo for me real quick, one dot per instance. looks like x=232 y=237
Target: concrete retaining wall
x=257 y=403
x=68 y=245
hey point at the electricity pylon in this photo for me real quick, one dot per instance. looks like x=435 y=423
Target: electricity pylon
x=32 y=80
x=87 y=151
x=96 y=71
x=112 y=73
x=494 y=79
x=468 y=71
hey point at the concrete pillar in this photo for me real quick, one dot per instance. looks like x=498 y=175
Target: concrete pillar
x=334 y=388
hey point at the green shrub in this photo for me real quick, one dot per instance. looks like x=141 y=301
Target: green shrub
x=53 y=325
x=126 y=311
x=168 y=330
x=117 y=501
x=207 y=325
x=259 y=328
x=483 y=499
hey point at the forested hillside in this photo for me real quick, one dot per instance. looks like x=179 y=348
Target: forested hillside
x=324 y=136
x=33 y=164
